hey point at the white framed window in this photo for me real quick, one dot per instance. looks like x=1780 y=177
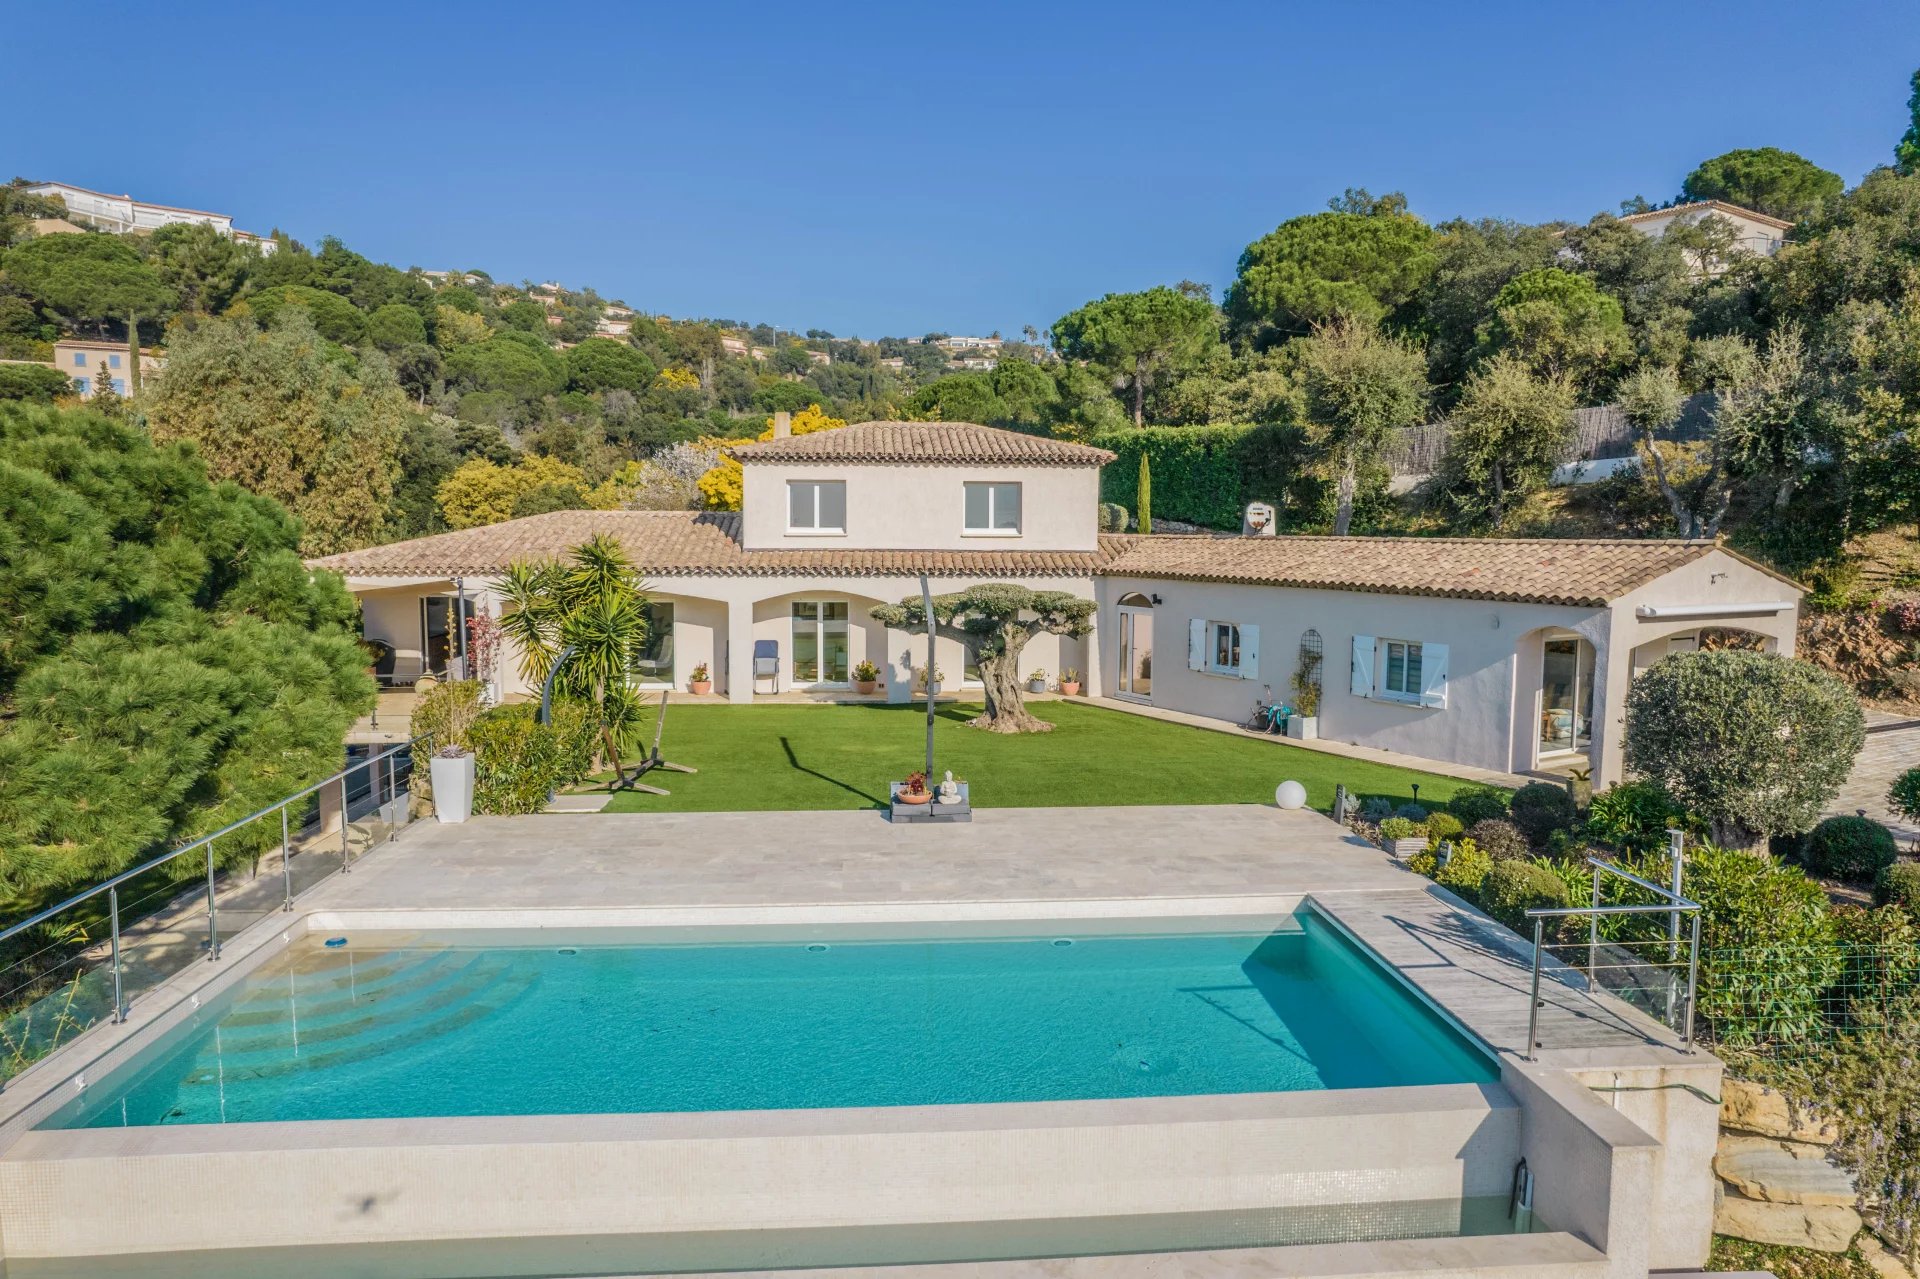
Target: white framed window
x=1399 y=670
x=1231 y=649
x=816 y=506
x=993 y=508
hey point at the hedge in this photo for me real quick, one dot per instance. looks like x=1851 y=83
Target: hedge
x=1206 y=475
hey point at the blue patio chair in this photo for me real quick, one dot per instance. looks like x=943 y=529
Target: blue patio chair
x=766 y=664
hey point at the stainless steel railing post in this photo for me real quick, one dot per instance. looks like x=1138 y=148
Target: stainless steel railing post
x=113 y=912
x=346 y=828
x=1593 y=932
x=213 y=915
x=1533 y=1008
x=1693 y=979
x=393 y=798
x=286 y=861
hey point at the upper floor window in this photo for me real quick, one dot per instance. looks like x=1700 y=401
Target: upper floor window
x=816 y=506
x=993 y=508
x=79 y=359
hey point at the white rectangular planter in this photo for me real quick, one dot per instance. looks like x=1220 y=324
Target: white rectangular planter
x=452 y=787
x=1303 y=728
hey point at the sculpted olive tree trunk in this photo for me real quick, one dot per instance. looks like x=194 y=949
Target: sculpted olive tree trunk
x=994 y=621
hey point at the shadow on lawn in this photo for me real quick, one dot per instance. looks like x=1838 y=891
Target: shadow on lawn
x=793 y=761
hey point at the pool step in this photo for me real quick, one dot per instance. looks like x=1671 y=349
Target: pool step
x=338 y=990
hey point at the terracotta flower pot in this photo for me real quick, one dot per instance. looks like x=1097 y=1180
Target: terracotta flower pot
x=701 y=687
x=866 y=687
x=1070 y=688
x=911 y=797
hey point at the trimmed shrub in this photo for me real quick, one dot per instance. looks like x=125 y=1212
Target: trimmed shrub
x=518 y=761
x=1478 y=803
x=1899 y=885
x=1512 y=888
x=1756 y=743
x=1401 y=828
x=1541 y=808
x=1444 y=826
x=1113 y=518
x=1377 y=808
x=1501 y=840
x=1904 y=795
x=1412 y=812
x=1427 y=863
x=1854 y=849
x=1466 y=870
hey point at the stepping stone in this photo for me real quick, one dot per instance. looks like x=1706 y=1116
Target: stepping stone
x=1782 y=1172
x=578 y=803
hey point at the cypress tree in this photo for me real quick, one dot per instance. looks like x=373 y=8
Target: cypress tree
x=1143 y=496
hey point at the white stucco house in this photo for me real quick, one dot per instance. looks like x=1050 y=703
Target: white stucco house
x=1510 y=655
x=1754 y=232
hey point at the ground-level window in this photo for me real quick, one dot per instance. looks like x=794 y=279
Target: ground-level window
x=1225 y=648
x=816 y=506
x=1398 y=670
x=993 y=508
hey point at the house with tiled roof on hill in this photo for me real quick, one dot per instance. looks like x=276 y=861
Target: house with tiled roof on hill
x=1505 y=654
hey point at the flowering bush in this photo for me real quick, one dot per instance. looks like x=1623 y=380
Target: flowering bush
x=1906 y=616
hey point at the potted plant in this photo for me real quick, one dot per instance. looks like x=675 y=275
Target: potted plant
x=1304 y=724
x=451 y=772
x=1037 y=682
x=931 y=687
x=913 y=790
x=1070 y=682
x=701 y=681
x=866 y=679
x=1403 y=837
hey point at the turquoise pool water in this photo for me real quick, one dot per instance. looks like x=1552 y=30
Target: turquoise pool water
x=422 y=1029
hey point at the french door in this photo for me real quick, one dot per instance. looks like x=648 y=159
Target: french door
x=819 y=641
x=1566 y=696
x=1136 y=653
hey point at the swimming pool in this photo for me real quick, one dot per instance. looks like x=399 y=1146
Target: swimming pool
x=381 y=1027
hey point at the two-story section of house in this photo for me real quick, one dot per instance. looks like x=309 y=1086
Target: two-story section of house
x=1508 y=655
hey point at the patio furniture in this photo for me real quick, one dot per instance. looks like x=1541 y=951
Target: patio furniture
x=766 y=664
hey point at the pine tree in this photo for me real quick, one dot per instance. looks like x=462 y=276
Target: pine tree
x=1906 y=154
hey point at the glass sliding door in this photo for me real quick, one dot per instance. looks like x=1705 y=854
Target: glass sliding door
x=820 y=642
x=655 y=666
x=1566 y=696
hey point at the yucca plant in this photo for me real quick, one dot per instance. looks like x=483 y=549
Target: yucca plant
x=593 y=603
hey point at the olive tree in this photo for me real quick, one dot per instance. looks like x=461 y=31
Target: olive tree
x=1755 y=743
x=994 y=621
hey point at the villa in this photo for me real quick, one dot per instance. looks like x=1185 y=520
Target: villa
x=1500 y=654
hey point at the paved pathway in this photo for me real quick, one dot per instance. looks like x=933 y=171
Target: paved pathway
x=1893 y=746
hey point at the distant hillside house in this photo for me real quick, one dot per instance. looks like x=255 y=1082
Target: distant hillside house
x=1756 y=232
x=1508 y=655
x=123 y=213
x=87 y=362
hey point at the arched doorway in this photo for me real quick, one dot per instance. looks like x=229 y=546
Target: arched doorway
x=1566 y=697
x=1136 y=648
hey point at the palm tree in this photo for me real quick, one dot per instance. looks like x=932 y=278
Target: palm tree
x=594 y=604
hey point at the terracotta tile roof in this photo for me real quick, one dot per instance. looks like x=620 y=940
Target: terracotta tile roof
x=1711 y=206
x=922 y=443
x=665 y=543
x=1542 y=571
x=1587 y=574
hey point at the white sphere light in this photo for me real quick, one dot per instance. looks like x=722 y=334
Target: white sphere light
x=1290 y=794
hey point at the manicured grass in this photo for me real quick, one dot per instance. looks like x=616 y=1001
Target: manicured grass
x=792 y=757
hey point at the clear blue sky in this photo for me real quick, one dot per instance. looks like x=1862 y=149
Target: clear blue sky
x=899 y=168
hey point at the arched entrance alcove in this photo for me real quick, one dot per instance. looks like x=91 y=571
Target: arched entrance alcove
x=1135 y=666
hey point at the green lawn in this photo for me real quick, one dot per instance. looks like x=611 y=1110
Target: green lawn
x=791 y=757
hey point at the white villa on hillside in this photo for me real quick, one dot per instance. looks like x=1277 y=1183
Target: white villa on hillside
x=1508 y=655
x=1755 y=232
x=122 y=213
